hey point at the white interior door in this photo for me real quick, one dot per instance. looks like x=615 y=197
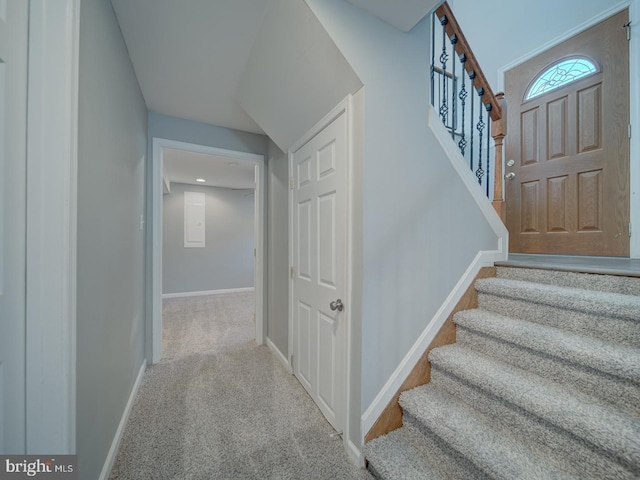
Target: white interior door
x=13 y=121
x=319 y=247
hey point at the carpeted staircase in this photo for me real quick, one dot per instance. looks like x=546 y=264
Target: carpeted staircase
x=543 y=383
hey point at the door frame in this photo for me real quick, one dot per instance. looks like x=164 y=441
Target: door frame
x=154 y=319
x=51 y=248
x=634 y=100
x=345 y=106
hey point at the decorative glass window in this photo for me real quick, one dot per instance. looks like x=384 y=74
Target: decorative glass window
x=560 y=74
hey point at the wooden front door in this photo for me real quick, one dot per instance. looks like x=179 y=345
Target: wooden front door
x=569 y=186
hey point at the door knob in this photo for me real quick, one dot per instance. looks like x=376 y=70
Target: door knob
x=337 y=305
x=510 y=176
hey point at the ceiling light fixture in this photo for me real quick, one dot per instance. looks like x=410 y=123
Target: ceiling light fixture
x=200 y=180
x=232 y=164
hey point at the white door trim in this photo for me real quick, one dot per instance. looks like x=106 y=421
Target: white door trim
x=52 y=165
x=634 y=89
x=154 y=319
x=343 y=107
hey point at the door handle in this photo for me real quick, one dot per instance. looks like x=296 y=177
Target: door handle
x=510 y=176
x=337 y=305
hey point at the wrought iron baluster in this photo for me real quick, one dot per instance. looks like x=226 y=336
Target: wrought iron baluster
x=454 y=93
x=444 y=56
x=488 y=107
x=480 y=127
x=472 y=76
x=462 y=144
x=433 y=58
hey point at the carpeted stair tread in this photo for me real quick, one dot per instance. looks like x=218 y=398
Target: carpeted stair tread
x=467 y=432
x=589 y=301
x=601 y=425
x=617 y=360
x=399 y=455
x=587 y=281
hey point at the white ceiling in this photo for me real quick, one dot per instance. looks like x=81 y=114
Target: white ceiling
x=189 y=55
x=184 y=167
x=402 y=14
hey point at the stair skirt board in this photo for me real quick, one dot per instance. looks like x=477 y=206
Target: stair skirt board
x=543 y=382
x=384 y=414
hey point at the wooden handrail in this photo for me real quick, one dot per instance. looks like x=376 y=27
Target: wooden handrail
x=471 y=65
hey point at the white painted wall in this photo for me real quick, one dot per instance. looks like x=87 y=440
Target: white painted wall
x=112 y=130
x=226 y=261
x=421 y=228
x=295 y=73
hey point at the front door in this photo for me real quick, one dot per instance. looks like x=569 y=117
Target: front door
x=319 y=247
x=567 y=188
x=13 y=123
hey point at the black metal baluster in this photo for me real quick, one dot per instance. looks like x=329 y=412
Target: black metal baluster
x=472 y=76
x=480 y=127
x=444 y=109
x=488 y=107
x=433 y=58
x=462 y=144
x=454 y=93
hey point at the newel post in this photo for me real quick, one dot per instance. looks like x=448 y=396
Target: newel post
x=498 y=132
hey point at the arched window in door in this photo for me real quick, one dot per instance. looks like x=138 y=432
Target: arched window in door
x=560 y=74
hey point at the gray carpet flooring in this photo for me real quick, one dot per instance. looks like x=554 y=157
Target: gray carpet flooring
x=219 y=407
x=543 y=383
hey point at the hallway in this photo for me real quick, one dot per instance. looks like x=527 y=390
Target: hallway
x=219 y=407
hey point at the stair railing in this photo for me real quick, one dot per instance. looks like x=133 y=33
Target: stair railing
x=472 y=118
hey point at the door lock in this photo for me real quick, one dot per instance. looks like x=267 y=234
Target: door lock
x=510 y=176
x=337 y=305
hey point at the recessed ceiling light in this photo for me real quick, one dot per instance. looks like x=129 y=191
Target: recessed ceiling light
x=200 y=180
x=232 y=164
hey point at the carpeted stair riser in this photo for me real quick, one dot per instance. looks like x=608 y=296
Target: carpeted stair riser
x=610 y=372
x=549 y=441
x=572 y=423
x=619 y=361
x=489 y=447
x=608 y=329
x=587 y=281
x=622 y=393
x=406 y=453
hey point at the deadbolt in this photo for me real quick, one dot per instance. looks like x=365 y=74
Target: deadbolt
x=511 y=163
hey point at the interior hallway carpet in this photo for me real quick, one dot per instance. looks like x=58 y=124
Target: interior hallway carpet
x=219 y=407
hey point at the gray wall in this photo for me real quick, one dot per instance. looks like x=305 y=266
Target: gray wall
x=421 y=228
x=173 y=128
x=111 y=185
x=227 y=259
x=278 y=248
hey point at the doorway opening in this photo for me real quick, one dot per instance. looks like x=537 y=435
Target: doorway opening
x=170 y=153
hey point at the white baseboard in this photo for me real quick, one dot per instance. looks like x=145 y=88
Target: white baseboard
x=279 y=355
x=207 y=292
x=354 y=454
x=113 y=451
x=373 y=412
